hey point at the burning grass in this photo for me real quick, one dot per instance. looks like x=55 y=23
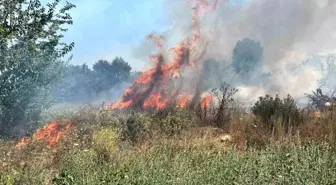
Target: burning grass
x=174 y=146
x=50 y=134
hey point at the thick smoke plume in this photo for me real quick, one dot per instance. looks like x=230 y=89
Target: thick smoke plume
x=290 y=32
x=165 y=83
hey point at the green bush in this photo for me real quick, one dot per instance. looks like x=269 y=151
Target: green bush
x=172 y=124
x=274 y=111
x=132 y=129
x=104 y=142
x=6 y=179
x=63 y=179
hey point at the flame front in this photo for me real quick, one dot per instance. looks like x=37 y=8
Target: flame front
x=183 y=101
x=50 y=133
x=161 y=85
x=206 y=100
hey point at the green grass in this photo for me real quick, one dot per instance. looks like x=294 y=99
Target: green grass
x=313 y=164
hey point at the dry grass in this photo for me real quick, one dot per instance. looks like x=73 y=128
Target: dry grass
x=36 y=163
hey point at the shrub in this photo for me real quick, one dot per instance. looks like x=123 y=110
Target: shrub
x=104 y=142
x=274 y=110
x=225 y=96
x=7 y=179
x=131 y=129
x=63 y=179
x=77 y=164
x=172 y=125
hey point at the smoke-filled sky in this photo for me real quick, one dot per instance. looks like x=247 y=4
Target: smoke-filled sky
x=290 y=32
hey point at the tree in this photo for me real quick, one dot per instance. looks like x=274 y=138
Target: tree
x=246 y=58
x=30 y=57
x=109 y=74
x=76 y=85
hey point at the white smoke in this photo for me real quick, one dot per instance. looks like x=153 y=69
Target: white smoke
x=290 y=31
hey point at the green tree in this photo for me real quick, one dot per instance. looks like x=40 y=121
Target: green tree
x=109 y=74
x=246 y=58
x=77 y=85
x=30 y=57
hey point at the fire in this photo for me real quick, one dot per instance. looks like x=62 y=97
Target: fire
x=50 y=133
x=206 y=99
x=23 y=141
x=316 y=114
x=161 y=85
x=183 y=101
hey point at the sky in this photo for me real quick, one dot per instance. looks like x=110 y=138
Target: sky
x=104 y=29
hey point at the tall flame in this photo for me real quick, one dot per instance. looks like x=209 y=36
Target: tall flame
x=183 y=101
x=159 y=86
x=206 y=99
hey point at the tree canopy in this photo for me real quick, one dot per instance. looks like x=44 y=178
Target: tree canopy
x=82 y=84
x=30 y=53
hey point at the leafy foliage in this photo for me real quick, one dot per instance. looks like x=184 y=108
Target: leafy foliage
x=110 y=74
x=275 y=110
x=63 y=179
x=30 y=49
x=104 y=142
x=76 y=85
x=82 y=84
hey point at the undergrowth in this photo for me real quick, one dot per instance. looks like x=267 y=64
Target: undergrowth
x=177 y=146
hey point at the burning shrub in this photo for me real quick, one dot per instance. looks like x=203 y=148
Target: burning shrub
x=274 y=110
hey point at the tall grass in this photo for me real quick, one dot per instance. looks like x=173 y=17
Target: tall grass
x=175 y=146
x=291 y=164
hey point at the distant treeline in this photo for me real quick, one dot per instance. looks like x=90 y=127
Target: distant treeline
x=79 y=83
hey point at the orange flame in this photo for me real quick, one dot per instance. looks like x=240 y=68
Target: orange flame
x=206 y=99
x=155 y=101
x=183 y=101
x=22 y=142
x=50 y=133
x=155 y=87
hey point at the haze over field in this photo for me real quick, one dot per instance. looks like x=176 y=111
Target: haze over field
x=290 y=32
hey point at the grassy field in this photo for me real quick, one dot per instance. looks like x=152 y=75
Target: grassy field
x=172 y=147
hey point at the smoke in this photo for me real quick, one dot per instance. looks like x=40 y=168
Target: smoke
x=290 y=32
